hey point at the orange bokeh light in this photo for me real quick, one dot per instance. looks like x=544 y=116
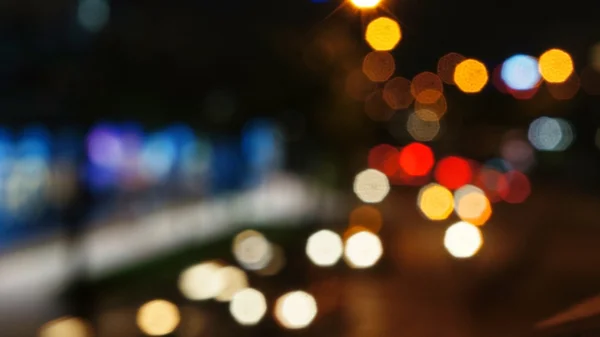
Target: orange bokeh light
x=565 y=90
x=396 y=93
x=378 y=66
x=471 y=76
x=383 y=34
x=556 y=65
x=367 y=217
x=446 y=66
x=427 y=87
x=439 y=107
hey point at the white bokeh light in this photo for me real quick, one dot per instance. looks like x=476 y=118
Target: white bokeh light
x=324 y=248
x=248 y=306
x=371 y=186
x=463 y=240
x=363 y=250
x=295 y=310
x=520 y=72
x=252 y=250
x=363 y=4
x=550 y=134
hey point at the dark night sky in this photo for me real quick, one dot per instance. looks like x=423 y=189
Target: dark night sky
x=156 y=60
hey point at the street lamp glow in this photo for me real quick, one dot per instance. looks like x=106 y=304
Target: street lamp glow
x=365 y=4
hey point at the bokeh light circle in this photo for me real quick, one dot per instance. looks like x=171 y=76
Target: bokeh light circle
x=324 y=248
x=416 y=159
x=550 y=134
x=378 y=66
x=520 y=72
x=463 y=240
x=158 y=318
x=471 y=76
x=383 y=34
x=435 y=202
x=248 y=306
x=295 y=310
x=556 y=65
x=371 y=186
x=363 y=249
x=453 y=172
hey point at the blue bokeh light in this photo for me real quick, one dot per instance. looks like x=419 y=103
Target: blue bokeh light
x=35 y=142
x=260 y=145
x=520 y=72
x=158 y=156
x=105 y=148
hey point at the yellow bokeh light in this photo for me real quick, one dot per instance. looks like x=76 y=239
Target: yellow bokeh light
x=295 y=310
x=383 y=34
x=472 y=205
x=470 y=76
x=158 y=318
x=65 y=327
x=363 y=250
x=324 y=248
x=365 y=4
x=463 y=240
x=248 y=306
x=201 y=281
x=555 y=65
x=232 y=280
x=435 y=202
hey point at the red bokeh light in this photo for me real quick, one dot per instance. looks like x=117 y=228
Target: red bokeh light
x=416 y=159
x=497 y=80
x=493 y=183
x=384 y=158
x=524 y=94
x=518 y=189
x=453 y=172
